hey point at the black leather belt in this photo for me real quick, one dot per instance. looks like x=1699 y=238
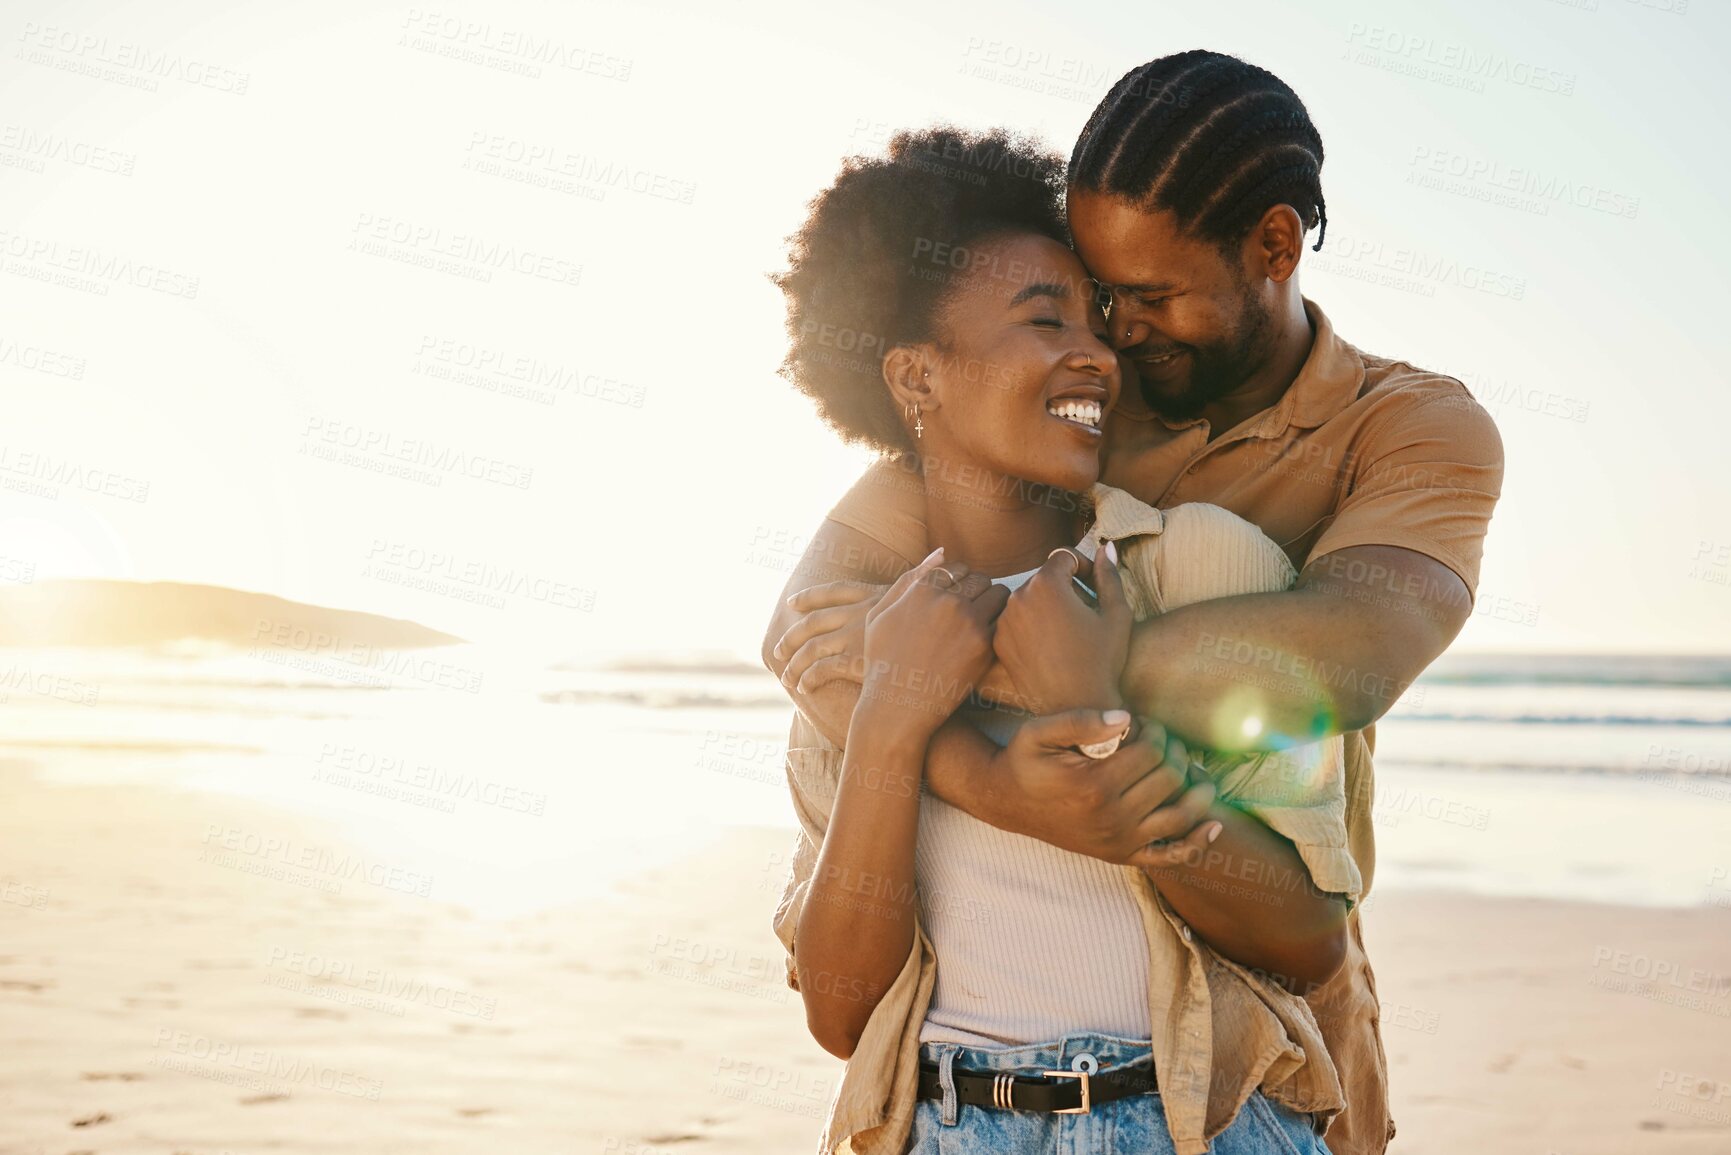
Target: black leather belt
x=1058 y=1092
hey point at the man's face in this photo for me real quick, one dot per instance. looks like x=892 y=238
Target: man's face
x=1188 y=316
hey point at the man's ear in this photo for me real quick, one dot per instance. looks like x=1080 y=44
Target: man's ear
x=1276 y=243
x=907 y=371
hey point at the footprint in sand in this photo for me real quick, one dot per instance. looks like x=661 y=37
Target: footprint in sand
x=474 y=1112
x=117 y=1076
x=93 y=1120
x=253 y=1100
x=23 y=985
x=319 y=1013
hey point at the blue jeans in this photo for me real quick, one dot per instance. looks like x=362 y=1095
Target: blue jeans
x=1136 y=1124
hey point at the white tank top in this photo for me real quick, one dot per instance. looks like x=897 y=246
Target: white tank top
x=1033 y=943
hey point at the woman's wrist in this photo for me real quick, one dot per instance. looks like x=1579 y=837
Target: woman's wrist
x=891 y=715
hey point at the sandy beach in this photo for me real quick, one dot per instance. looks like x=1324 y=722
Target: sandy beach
x=173 y=980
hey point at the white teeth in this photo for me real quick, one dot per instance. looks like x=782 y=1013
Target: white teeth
x=1080 y=411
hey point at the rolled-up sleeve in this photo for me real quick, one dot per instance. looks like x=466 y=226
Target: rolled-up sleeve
x=1300 y=794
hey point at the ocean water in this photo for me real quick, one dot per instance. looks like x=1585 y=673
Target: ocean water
x=518 y=785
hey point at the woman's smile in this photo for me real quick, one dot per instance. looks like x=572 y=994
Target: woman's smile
x=1078 y=411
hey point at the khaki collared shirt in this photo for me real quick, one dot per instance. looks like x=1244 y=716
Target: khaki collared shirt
x=1219 y=1032
x=1360 y=450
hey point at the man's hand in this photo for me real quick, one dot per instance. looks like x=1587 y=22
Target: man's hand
x=1061 y=653
x=828 y=640
x=1137 y=806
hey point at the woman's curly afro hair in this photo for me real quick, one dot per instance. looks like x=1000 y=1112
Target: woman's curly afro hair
x=870 y=267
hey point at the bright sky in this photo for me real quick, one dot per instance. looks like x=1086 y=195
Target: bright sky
x=1559 y=162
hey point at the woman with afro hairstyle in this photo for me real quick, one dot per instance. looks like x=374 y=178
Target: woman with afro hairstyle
x=992 y=992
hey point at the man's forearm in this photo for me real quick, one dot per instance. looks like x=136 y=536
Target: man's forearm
x=1251 y=899
x=1264 y=671
x=1231 y=674
x=957 y=760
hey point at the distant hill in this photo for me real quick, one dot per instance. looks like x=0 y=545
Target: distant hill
x=120 y=613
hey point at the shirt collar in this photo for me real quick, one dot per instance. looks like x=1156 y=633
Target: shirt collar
x=1331 y=377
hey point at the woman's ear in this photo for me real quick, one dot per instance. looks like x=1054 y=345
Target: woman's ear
x=907 y=371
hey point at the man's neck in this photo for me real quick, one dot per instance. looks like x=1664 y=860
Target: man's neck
x=1268 y=384
x=997 y=525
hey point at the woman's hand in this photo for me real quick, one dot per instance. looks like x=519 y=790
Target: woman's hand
x=1139 y=805
x=928 y=641
x=1061 y=653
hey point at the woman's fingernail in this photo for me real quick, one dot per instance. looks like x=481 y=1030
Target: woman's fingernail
x=1116 y=717
x=1112 y=552
x=936 y=554
x=1215 y=833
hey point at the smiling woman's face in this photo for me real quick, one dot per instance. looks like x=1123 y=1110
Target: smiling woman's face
x=1023 y=374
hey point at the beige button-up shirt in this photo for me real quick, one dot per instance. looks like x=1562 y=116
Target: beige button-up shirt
x=1219 y=1032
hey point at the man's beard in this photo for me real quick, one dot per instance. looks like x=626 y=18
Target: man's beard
x=1219 y=367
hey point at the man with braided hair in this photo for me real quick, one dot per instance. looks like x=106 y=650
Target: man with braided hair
x=1191 y=194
